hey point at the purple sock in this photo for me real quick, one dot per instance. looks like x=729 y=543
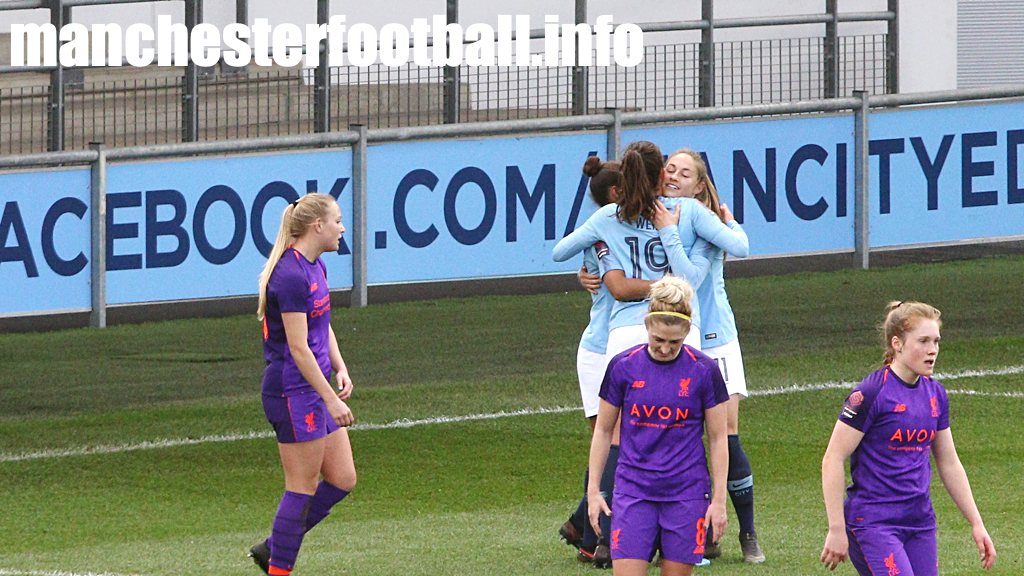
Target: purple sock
x=327 y=495
x=289 y=528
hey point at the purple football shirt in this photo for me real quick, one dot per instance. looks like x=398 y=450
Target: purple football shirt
x=661 y=455
x=296 y=285
x=890 y=468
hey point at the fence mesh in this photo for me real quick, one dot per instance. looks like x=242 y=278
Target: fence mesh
x=246 y=103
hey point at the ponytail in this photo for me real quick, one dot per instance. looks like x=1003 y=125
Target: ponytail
x=282 y=242
x=641 y=175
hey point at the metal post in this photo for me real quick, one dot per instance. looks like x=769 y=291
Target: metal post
x=242 y=13
x=892 y=52
x=55 y=128
x=322 y=76
x=358 y=235
x=614 y=134
x=190 y=94
x=861 y=206
x=707 y=55
x=98 y=237
x=451 y=73
x=830 y=54
x=580 y=94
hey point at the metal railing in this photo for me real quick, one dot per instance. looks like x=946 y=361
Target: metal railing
x=235 y=103
x=123 y=112
x=23 y=119
x=254 y=103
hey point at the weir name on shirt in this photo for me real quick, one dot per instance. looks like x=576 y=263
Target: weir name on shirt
x=644 y=224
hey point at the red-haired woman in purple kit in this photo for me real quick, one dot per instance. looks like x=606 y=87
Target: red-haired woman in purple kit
x=890 y=425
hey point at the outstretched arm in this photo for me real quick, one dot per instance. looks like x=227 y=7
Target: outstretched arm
x=954 y=477
x=626 y=289
x=621 y=287
x=579 y=240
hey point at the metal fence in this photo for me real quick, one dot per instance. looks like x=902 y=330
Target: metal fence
x=123 y=112
x=23 y=118
x=239 y=103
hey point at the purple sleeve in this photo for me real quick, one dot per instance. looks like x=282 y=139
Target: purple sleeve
x=290 y=287
x=612 y=388
x=857 y=412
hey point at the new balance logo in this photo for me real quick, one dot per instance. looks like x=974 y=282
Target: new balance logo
x=639 y=383
x=900 y=408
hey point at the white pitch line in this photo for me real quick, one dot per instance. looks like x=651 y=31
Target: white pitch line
x=175 y=442
x=406 y=423
x=6 y=572
x=837 y=385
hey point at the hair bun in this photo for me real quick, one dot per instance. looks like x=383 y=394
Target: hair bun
x=592 y=166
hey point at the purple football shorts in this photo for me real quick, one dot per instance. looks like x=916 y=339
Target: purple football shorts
x=892 y=551
x=298 y=418
x=638 y=525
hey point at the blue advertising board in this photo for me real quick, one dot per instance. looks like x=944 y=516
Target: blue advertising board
x=44 y=241
x=947 y=174
x=202 y=228
x=475 y=208
x=494 y=207
x=789 y=182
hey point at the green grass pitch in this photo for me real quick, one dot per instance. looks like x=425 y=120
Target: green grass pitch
x=473 y=495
